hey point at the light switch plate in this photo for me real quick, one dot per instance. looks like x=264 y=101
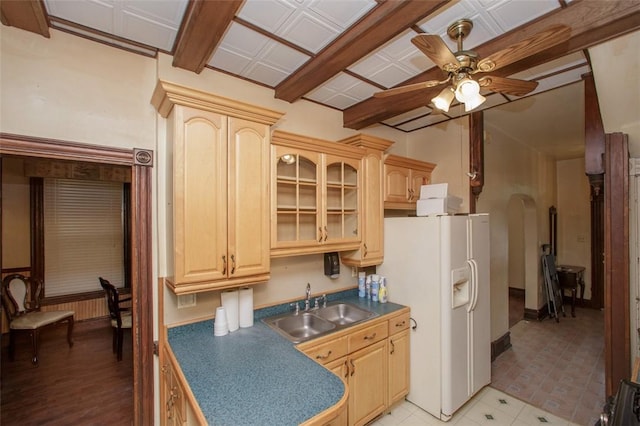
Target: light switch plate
x=186 y=300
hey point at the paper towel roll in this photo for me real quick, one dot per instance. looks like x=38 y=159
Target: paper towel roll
x=245 y=306
x=229 y=299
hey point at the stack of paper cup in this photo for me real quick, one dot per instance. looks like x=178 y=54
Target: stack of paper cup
x=220 y=324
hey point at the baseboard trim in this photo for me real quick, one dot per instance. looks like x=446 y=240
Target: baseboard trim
x=536 y=314
x=500 y=345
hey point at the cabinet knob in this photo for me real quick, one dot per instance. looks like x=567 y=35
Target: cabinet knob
x=393 y=347
x=224 y=265
x=326 y=233
x=365 y=250
x=233 y=264
x=320 y=233
x=353 y=368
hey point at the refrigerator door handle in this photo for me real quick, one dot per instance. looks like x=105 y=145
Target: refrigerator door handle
x=474 y=282
x=472 y=285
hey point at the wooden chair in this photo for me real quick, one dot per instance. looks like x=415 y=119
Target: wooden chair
x=21 y=301
x=120 y=317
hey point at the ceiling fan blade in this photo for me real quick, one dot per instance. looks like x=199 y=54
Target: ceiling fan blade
x=408 y=88
x=436 y=50
x=553 y=35
x=509 y=86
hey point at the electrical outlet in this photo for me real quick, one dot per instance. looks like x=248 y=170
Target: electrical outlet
x=354 y=272
x=186 y=300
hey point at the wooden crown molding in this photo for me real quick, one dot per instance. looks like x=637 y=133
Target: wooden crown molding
x=167 y=94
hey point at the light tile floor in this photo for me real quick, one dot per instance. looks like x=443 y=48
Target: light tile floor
x=489 y=407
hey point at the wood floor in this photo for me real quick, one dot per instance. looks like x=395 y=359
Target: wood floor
x=82 y=385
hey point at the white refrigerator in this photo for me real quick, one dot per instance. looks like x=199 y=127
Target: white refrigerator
x=439 y=266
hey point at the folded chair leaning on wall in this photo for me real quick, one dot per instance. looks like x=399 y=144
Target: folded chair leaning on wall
x=21 y=301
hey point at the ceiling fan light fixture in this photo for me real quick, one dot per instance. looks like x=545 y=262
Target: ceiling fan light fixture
x=444 y=99
x=467 y=89
x=474 y=102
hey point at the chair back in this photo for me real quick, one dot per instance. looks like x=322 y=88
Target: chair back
x=20 y=295
x=113 y=300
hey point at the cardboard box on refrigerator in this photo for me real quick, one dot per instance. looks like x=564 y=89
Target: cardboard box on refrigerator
x=447 y=205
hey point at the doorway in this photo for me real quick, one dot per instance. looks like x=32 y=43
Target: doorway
x=141 y=162
x=523 y=257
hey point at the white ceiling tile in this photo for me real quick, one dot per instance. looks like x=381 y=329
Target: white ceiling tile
x=95 y=14
x=265 y=74
x=163 y=11
x=229 y=61
x=243 y=40
x=341 y=101
x=446 y=16
x=152 y=33
x=342 y=13
x=361 y=90
x=512 y=14
x=369 y=65
x=390 y=75
x=267 y=14
x=282 y=57
x=309 y=32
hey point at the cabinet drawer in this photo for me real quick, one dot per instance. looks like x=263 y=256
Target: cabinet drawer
x=367 y=336
x=399 y=323
x=329 y=351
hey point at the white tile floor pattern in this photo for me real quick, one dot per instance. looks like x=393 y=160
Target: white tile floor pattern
x=489 y=407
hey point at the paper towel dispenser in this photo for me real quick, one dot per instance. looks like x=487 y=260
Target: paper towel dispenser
x=332 y=264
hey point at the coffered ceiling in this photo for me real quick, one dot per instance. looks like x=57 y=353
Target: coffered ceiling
x=338 y=53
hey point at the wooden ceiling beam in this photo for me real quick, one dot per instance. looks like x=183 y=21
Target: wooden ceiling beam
x=591 y=21
x=29 y=15
x=382 y=24
x=202 y=29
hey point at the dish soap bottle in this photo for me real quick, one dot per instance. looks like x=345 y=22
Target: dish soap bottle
x=382 y=293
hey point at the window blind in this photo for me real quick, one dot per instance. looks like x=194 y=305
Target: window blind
x=83 y=235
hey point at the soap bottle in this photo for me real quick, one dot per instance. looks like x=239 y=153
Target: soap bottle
x=361 y=285
x=382 y=293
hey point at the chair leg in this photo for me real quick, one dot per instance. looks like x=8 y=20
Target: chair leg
x=114 y=343
x=120 y=338
x=70 y=331
x=35 y=334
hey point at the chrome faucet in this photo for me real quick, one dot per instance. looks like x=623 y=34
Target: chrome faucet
x=308 y=298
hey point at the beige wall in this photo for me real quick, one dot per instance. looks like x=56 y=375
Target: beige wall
x=72 y=89
x=15 y=215
x=574 y=217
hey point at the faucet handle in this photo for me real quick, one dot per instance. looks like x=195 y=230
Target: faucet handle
x=316 y=303
x=296 y=307
x=324 y=300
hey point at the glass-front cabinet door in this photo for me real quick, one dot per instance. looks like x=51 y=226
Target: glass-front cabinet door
x=296 y=196
x=316 y=204
x=342 y=202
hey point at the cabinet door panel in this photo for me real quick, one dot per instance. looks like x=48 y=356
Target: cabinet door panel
x=342 y=202
x=248 y=217
x=200 y=195
x=396 y=185
x=368 y=383
x=398 y=366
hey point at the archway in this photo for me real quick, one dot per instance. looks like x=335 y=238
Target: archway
x=523 y=249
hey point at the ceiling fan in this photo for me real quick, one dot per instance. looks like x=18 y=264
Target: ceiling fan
x=461 y=65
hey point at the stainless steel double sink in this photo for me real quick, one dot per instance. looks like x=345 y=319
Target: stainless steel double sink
x=300 y=327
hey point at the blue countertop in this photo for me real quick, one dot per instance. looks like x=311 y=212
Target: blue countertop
x=254 y=376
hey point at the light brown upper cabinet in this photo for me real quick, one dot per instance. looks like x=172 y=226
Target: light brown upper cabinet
x=371 y=250
x=217 y=189
x=402 y=180
x=316 y=200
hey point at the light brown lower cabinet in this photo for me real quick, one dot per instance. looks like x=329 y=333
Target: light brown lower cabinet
x=373 y=360
x=173 y=410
